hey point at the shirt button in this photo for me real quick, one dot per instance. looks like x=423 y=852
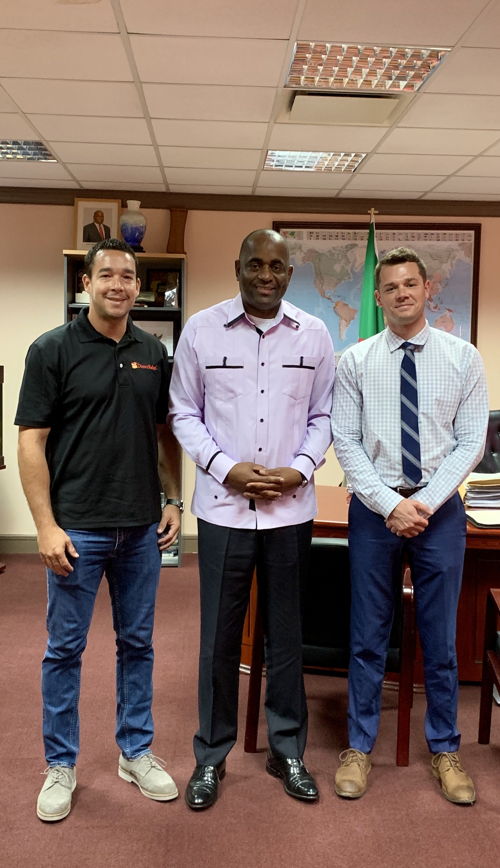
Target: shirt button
x=216 y=497
x=260 y=449
x=121 y=364
x=294 y=496
x=262 y=364
x=262 y=391
x=261 y=420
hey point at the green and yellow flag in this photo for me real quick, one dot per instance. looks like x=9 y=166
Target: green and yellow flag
x=371 y=318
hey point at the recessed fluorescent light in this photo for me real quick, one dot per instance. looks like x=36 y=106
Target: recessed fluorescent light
x=339 y=66
x=314 y=161
x=13 y=149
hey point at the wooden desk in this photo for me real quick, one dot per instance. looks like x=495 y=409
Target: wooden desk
x=481 y=572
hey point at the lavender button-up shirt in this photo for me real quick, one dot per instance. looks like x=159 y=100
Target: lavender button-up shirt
x=241 y=395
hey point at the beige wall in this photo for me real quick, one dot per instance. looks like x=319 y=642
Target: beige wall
x=31 y=301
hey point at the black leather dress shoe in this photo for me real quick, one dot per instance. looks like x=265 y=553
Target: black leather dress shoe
x=296 y=779
x=203 y=786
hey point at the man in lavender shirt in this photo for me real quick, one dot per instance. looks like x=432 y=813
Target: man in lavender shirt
x=251 y=395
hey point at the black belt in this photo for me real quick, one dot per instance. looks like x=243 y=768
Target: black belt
x=407 y=492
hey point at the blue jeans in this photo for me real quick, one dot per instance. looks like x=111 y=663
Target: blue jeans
x=130 y=559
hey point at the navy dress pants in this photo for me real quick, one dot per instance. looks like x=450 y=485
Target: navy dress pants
x=227 y=559
x=436 y=559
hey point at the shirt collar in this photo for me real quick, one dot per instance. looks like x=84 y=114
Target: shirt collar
x=87 y=332
x=419 y=340
x=286 y=311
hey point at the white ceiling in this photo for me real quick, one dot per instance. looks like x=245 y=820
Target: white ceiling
x=186 y=96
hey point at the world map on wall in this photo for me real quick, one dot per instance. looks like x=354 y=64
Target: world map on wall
x=328 y=273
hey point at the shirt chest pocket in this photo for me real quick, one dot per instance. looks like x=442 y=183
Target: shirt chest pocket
x=224 y=377
x=297 y=375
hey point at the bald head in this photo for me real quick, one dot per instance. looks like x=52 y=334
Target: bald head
x=268 y=235
x=263 y=271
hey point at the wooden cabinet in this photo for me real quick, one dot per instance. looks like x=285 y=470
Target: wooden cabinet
x=160 y=302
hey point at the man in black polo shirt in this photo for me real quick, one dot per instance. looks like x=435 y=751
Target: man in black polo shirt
x=94 y=450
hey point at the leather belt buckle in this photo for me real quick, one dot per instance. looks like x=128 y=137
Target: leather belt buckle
x=407 y=492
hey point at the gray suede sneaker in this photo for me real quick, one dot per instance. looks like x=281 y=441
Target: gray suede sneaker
x=149 y=774
x=54 y=800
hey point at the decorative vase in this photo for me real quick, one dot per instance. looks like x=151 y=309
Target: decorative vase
x=133 y=225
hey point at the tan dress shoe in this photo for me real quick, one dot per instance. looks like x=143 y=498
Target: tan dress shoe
x=456 y=784
x=351 y=779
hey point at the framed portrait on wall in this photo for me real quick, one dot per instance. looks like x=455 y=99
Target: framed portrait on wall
x=328 y=261
x=95 y=219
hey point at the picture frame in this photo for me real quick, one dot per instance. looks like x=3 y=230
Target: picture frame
x=161 y=329
x=328 y=261
x=86 y=233
x=162 y=287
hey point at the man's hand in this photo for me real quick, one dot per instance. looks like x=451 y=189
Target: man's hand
x=291 y=478
x=54 y=545
x=169 y=526
x=409 y=518
x=254 y=482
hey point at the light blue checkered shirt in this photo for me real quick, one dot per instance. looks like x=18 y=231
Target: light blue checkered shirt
x=452 y=416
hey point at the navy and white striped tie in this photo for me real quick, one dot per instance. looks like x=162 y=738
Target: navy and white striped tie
x=410 y=443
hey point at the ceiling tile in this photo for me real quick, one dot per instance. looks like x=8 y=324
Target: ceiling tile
x=128 y=174
x=296 y=191
x=35 y=182
x=313 y=180
x=6 y=103
x=493 y=151
x=142 y=186
x=411 y=164
x=92 y=15
x=380 y=194
x=422 y=141
x=47 y=54
x=468 y=70
x=394 y=182
x=460 y=112
x=210 y=158
x=486 y=29
x=226 y=177
x=323 y=137
x=13 y=126
x=205 y=102
x=213 y=134
x=218 y=190
x=434 y=23
x=120 y=155
x=209 y=61
x=31 y=169
x=463 y=196
x=482 y=167
x=476 y=186
x=117 y=99
x=68 y=128
x=210 y=18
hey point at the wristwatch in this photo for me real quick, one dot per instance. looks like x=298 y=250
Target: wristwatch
x=173 y=501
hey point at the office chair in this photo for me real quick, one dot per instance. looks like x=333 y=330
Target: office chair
x=490 y=463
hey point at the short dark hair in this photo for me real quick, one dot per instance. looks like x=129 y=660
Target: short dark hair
x=397 y=257
x=106 y=244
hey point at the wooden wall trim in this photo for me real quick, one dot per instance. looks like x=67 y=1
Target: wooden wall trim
x=266 y=204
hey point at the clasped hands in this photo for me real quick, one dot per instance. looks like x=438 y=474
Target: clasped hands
x=409 y=518
x=256 y=482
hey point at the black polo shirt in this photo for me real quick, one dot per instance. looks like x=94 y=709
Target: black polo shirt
x=101 y=401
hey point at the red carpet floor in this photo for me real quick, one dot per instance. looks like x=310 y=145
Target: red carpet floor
x=402 y=822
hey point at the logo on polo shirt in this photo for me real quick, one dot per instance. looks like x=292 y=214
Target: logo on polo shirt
x=137 y=365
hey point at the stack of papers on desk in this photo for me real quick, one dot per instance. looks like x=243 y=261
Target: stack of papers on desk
x=482 y=499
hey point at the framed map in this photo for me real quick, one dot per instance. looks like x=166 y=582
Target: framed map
x=328 y=261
